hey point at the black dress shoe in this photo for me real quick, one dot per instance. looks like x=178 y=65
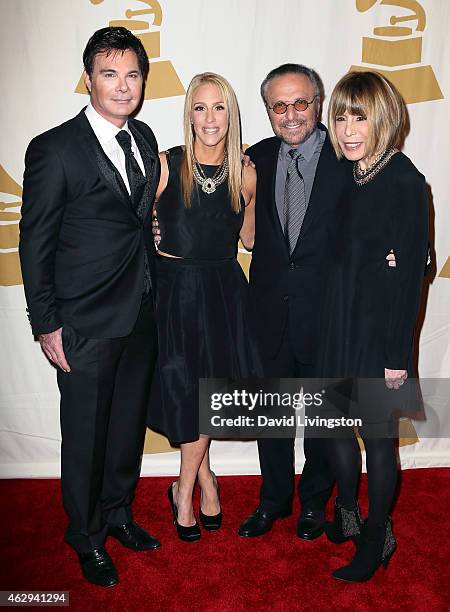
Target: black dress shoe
x=189 y=533
x=98 y=568
x=259 y=523
x=134 y=537
x=311 y=524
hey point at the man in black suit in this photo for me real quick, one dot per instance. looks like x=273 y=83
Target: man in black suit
x=87 y=258
x=299 y=181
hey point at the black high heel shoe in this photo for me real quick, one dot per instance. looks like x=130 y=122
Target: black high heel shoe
x=211 y=523
x=187 y=534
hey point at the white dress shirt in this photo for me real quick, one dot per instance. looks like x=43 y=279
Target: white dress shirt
x=106 y=134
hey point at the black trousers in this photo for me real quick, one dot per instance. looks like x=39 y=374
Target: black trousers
x=104 y=401
x=276 y=456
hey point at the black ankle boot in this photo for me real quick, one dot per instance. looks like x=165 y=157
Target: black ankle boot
x=374 y=547
x=346 y=524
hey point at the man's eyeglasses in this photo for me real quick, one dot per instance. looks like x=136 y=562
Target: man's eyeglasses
x=300 y=105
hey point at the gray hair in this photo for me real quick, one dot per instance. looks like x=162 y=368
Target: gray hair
x=294 y=69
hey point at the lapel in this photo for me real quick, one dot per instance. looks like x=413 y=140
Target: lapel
x=322 y=189
x=271 y=169
x=107 y=170
x=150 y=160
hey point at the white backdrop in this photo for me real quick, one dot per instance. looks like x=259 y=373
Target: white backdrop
x=41 y=43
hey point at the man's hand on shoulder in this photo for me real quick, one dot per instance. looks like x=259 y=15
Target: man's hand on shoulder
x=392 y=263
x=155 y=229
x=52 y=346
x=246 y=161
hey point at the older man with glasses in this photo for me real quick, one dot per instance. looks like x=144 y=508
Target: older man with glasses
x=299 y=181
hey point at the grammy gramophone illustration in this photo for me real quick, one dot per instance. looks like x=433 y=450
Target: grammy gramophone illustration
x=9 y=230
x=163 y=81
x=396 y=45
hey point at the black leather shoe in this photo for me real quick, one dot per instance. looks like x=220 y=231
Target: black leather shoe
x=311 y=524
x=134 y=537
x=259 y=523
x=98 y=568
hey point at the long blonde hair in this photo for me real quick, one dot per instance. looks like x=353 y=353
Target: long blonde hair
x=232 y=141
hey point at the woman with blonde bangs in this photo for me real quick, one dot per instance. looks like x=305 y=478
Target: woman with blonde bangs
x=204 y=203
x=370 y=310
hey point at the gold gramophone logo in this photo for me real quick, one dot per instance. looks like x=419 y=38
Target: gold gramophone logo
x=396 y=50
x=163 y=81
x=445 y=272
x=9 y=230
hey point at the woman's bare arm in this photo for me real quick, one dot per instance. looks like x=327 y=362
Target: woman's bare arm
x=247 y=233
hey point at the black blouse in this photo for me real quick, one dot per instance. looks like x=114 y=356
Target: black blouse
x=370 y=309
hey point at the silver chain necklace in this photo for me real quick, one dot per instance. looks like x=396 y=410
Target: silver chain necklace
x=362 y=177
x=210 y=184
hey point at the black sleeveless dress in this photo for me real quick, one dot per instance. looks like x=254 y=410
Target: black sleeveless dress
x=201 y=303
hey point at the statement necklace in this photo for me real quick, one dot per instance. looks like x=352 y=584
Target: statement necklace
x=209 y=185
x=364 y=176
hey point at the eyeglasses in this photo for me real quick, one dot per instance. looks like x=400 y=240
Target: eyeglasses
x=300 y=105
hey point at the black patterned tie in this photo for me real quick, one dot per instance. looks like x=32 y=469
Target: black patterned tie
x=294 y=201
x=136 y=179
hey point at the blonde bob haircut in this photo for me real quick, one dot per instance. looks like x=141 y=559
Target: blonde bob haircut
x=232 y=141
x=369 y=95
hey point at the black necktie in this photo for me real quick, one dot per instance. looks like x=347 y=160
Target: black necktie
x=136 y=179
x=294 y=201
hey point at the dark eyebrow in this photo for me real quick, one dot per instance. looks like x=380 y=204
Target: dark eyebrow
x=137 y=71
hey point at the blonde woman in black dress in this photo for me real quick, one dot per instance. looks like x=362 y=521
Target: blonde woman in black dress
x=370 y=309
x=205 y=202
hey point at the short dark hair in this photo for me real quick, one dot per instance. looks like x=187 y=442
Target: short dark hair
x=109 y=40
x=294 y=69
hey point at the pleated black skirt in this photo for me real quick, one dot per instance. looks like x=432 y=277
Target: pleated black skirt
x=203 y=332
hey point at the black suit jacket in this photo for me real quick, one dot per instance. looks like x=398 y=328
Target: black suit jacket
x=81 y=242
x=284 y=289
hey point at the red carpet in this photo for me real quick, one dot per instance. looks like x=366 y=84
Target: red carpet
x=223 y=572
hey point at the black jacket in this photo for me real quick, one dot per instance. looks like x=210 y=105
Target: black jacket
x=285 y=290
x=81 y=242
